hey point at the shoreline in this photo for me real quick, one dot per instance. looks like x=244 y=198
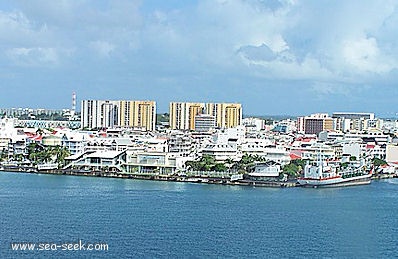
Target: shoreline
x=168 y=178
x=151 y=177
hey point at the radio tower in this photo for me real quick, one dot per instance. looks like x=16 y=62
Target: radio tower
x=73 y=111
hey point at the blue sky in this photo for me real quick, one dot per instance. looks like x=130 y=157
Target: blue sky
x=275 y=57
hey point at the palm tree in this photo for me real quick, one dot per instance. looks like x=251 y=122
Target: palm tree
x=229 y=163
x=59 y=153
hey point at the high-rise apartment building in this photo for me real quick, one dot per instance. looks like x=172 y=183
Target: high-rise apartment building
x=108 y=114
x=204 y=122
x=354 y=121
x=226 y=115
x=182 y=115
x=314 y=123
x=98 y=114
x=137 y=114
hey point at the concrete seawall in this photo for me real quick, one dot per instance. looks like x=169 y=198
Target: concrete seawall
x=173 y=178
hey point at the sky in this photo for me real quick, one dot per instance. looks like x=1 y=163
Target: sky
x=275 y=57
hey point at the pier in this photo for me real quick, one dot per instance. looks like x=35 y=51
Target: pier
x=154 y=177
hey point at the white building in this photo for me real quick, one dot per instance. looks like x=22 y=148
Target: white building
x=226 y=136
x=221 y=152
x=253 y=124
x=98 y=114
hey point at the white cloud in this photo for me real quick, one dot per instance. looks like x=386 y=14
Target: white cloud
x=323 y=89
x=33 y=56
x=283 y=40
x=103 y=48
x=364 y=55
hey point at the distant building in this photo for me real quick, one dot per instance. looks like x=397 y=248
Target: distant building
x=354 y=115
x=137 y=114
x=254 y=123
x=228 y=115
x=355 y=121
x=204 y=122
x=182 y=115
x=315 y=123
x=109 y=114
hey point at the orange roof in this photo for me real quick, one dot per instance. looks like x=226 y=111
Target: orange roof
x=294 y=156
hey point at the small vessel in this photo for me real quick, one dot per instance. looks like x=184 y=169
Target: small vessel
x=323 y=174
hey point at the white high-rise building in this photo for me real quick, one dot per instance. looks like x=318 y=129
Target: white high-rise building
x=98 y=114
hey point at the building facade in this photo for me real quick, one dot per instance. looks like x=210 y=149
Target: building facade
x=315 y=123
x=137 y=114
x=109 y=114
x=227 y=115
x=204 y=122
x=182 y=115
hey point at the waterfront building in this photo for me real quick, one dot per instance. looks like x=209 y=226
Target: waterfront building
x=51 y=140
x=263 y=148
x=392 y=153
x=181 y=142
x=111 y=161
x=266 y=171
x=8 y=133
x=151 y=163
x=75 y=141
x=312 y=152
x=222 y=152
x=231 y=136
x=183 y=114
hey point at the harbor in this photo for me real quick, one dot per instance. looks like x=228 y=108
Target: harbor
x=172 y=178
x=225 y=219
x=237 y=180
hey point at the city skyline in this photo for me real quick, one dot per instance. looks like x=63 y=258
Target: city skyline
x=273 y=57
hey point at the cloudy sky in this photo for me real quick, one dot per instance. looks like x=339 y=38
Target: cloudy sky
x=275 y=57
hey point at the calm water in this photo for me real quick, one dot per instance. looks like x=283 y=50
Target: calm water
x=181 y=220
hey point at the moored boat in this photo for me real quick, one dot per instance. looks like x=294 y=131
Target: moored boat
x=323 y=174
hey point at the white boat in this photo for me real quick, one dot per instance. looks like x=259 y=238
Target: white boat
x=323 y=174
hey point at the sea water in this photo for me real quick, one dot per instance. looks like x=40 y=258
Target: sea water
x=151 y=219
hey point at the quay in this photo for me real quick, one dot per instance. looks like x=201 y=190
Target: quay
x=172 y=178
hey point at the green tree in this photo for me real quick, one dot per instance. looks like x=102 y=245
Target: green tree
x=220 y=167
x=246 y=164
x=193 y=165
x=294 y=168
x=377 y=162
x=59 y=153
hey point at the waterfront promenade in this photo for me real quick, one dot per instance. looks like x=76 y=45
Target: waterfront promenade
x=221 y=178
